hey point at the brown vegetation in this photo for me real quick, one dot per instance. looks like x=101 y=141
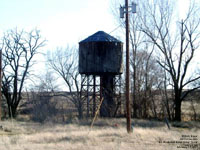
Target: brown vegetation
x=107 y=134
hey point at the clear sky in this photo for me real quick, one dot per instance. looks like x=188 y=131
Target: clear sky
x=61 y=22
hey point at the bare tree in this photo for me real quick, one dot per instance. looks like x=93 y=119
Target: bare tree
x=47 y=82
x=40 y=102
x=148 y=79
x=64 y=63
x=19 y=48
x=176 y=45
x=145 y=72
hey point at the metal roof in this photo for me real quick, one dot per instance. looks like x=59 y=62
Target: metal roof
x=100 y=36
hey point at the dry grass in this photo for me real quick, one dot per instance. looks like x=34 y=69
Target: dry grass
x=107 y=134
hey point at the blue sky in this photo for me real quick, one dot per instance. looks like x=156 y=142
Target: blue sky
x=61 y=22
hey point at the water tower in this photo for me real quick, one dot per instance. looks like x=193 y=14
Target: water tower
x=100 y=64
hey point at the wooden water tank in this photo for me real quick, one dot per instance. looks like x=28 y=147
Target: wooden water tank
x=100 y=54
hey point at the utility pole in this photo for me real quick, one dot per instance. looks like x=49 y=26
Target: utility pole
x=128 y=113
x=0 y=84
x=126 y=11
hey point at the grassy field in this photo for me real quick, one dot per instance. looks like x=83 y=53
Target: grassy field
x=106 y=134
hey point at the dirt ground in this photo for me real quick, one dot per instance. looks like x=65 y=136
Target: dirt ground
x=106 y=134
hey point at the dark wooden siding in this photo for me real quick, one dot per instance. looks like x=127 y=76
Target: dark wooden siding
x=100 y=57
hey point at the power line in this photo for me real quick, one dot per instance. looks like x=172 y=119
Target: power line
x=115 y=29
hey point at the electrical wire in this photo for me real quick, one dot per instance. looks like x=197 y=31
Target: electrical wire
x=115 y=29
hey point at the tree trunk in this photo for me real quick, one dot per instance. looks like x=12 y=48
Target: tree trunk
x=194 y=111
x=168 y=110
x=80 y=110
x=14 y=110
x=135 y=108
x=8 y=99
x=177 y=110
x=154 y=108
x=9 y=110
x=80 y=113
x=144 y=115
x=167 y=103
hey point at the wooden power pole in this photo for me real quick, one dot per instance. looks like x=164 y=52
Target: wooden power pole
x=0 y=84
x=125 y=10
x=128 y=114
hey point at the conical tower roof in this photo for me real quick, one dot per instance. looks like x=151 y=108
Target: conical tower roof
x=100 y=36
